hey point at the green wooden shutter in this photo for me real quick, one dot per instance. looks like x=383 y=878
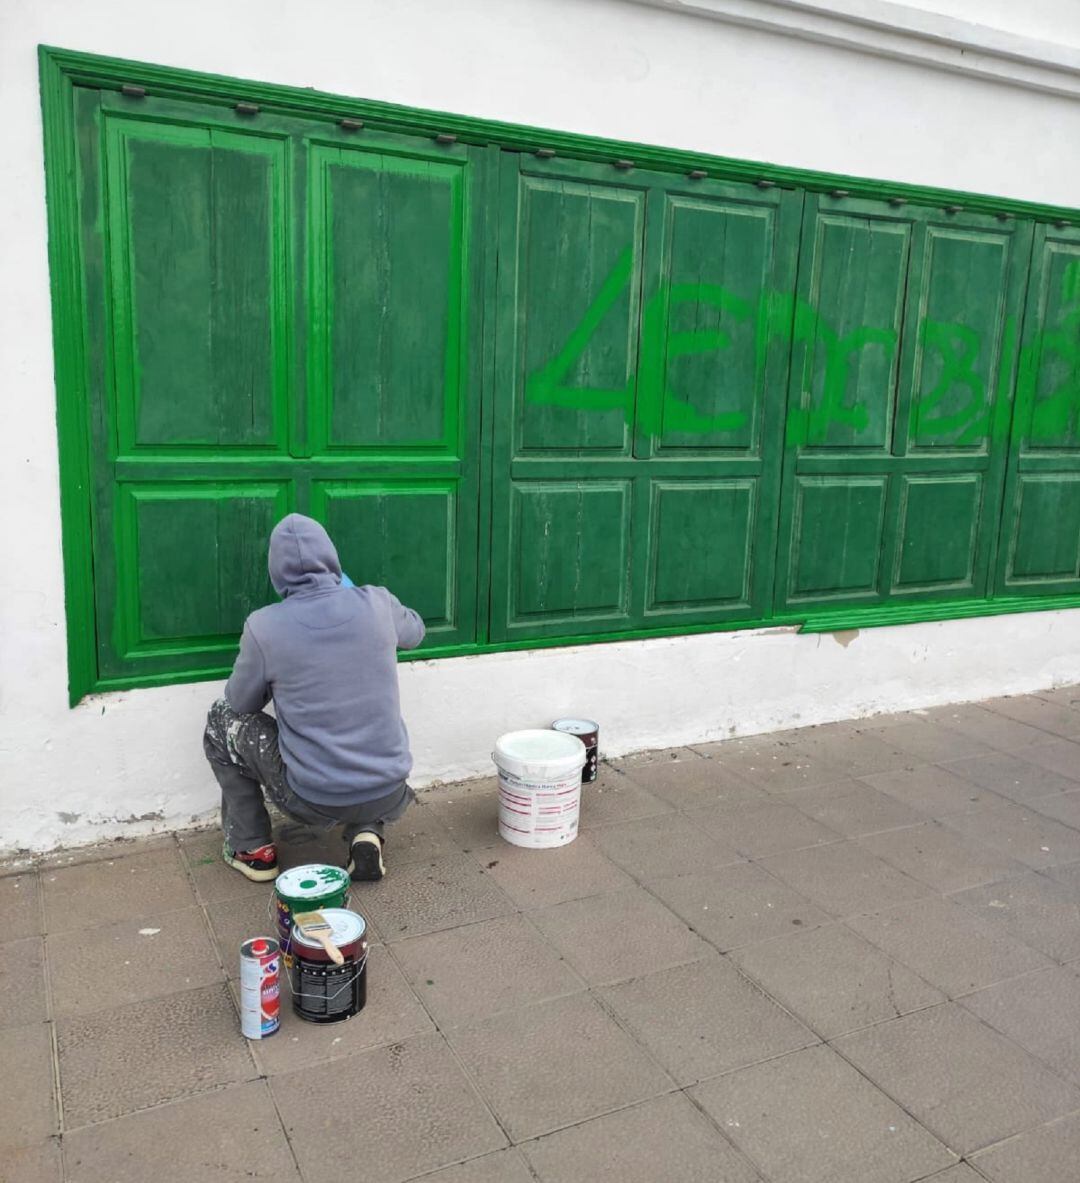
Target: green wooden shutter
x=902 y=373
x=1040 y=548
x=281 y=316
x=639 y=398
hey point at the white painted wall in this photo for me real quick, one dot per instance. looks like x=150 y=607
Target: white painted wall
x=131 y=762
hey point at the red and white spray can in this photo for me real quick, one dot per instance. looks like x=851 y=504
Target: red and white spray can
x=260 y=987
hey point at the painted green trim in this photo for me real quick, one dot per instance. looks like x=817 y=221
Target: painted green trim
x=69 y=359
x=63 y=70
x=111 y=73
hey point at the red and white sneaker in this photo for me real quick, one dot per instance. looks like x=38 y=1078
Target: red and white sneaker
x=258 y=865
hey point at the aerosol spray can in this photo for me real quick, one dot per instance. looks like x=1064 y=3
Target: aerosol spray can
x=260 y=987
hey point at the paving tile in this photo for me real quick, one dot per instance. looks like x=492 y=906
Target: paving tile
x=616 y=798
x=39 y=1163
x=863 y=753
x=116 y=1061
x=1040 y=1012
x=539 y=878
x=996 y=731
x=396 y=1112
x=933 y=790
x=773 y=763
x=964 y=1082
x=108 y=851
x=703 y=1019
x=835 y=980
x=22 y=983
x=961 y=1173
x=108 y=890
x=623 y=934
x=852 y=808
x=420 y=836
x=844 y=878
x=20 y=907
x=426 y=897
x=652 y=758
x=468 y=812
x=948 y=946
x=550 y=1065
x=758 y=830
x=231 y=1135
x=237 y=920
x=1011 y=775
x=1038 y=712
x=472 y=972
x=811 y=1118
x=1062 y=807
x=930 y=742
x=504 y=1166
x=392 y=1013
x=115 y=964
x=1047 y=1154
x=1032 y=908
x=652 y=848
x=736 y=905
x=1021 y=833
x=214 y=879
x=940 y=857
x=29 y=1099
x=630 y=1146
x=1061 y=756
x=694 y=783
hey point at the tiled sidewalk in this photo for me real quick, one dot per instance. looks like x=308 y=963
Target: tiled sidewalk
x=849 y=954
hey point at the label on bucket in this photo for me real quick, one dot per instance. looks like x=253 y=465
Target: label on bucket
x=539 y=813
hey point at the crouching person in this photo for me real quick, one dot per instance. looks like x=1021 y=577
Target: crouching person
x=337 y=753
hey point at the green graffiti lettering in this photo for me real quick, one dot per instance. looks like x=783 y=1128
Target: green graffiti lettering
x=1055 y=417
x=958 y=348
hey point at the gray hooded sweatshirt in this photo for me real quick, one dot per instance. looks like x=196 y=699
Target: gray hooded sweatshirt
x=327 y=656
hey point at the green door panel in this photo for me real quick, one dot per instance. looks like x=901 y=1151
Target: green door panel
x=848 y=322
x=401 y=535
x=191 y=564
x=388 y=299
x=838 y=528
x=198 y=259
x=939 y=518
x=579 y=276
x=571 y=544
x=700 y=544
x=1037 y=551
x=1046 y=535
x=961 y=338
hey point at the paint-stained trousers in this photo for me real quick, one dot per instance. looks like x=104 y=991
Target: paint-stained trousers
x=244 y=754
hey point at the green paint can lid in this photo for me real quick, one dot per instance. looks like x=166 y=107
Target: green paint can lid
x=312 y=881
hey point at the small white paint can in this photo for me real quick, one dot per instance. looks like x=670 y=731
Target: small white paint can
x=260 y=987
x=539 y=787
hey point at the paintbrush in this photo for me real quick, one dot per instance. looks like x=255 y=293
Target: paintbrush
x=316 y=927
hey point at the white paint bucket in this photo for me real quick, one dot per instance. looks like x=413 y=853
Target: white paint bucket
x=539 y=787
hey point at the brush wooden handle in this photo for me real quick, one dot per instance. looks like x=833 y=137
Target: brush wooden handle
x=332 y=951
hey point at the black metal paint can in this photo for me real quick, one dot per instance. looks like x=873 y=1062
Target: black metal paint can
x=589 y=734
x=322 y=991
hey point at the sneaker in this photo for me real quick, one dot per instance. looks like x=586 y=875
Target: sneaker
x=365 y=857
x=258 y=865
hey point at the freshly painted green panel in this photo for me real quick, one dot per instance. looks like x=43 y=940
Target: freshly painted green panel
x=571 y=546
x=1054 y=375
x=939 y=518
x=838 y=529
x=707 y=337
x=700 y=544
x=198 y=261
x=847 y=326
x=192 y=561
x=401 y=536
x=388 y=293
x=577 y=314
x=1046 y=543
x=959 y=338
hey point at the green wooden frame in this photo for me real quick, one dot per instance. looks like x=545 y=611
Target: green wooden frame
x=62 y=71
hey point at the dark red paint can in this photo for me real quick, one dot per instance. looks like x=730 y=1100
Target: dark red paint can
x=589 y=734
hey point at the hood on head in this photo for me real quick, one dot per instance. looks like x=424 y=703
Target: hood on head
x=302 y=557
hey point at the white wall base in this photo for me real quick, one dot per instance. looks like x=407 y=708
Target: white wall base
x=131 y=763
